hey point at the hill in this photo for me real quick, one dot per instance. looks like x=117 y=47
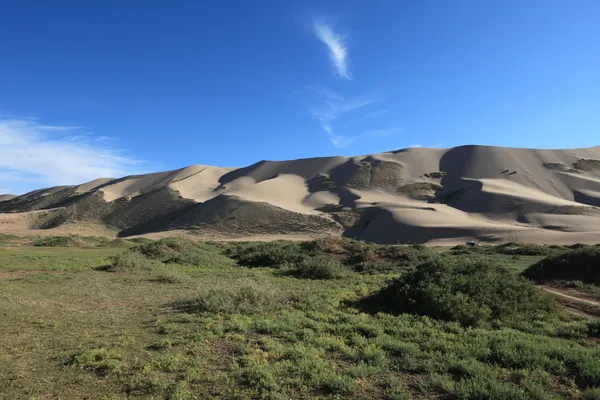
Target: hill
x=411 y=195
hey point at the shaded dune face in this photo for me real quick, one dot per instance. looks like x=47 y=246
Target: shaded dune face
x=411 y=195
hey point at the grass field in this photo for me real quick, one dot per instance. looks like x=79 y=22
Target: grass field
x=171 y=320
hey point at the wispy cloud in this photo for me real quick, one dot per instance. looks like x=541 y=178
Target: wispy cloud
x=336 y=109
x=333 y=106
x=34 y=155
x=337 y=48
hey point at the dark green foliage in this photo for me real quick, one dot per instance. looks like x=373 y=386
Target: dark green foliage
x=181 y=251
x=267 y=254
x=528 y=249
x=60 y=241
x=167 y=251
x=470 y=292
x=318 y=267
x=511 y=249
x=370 y=258
x=577 y=265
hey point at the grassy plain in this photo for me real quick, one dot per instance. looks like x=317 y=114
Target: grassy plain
x=174 y=320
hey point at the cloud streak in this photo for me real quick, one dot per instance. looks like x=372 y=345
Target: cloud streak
x=335 y=109
x=34 y=155
x=335 y=43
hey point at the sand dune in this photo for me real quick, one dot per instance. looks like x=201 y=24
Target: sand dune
x=411 y=195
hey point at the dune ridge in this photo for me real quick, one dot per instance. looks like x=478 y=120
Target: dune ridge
x=419 y=195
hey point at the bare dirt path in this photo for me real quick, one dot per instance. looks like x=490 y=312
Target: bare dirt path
x=567 y=296
x=575 y=304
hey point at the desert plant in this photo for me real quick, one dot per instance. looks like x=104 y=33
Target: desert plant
x=60 y=241
x=270 y=254
x=577 y=265
x=469 y=292
x=181 y=251
x=130 y=261
x=318 y=267
x=244 y=296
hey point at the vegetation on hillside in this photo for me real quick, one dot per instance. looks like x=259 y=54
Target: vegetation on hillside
x=472 y=293
x=582 y=264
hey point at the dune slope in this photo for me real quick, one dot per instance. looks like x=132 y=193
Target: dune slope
x=411 y=195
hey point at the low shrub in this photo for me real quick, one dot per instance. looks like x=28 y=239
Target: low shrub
x=268 y=254
x=243 y=296
x=577 y=265
x=472 y=293
x=181 y=251
x=100 y=361
x=370 y=258
x=528 y=249
x=60 y=241
x=318 y=267
x=130 y=261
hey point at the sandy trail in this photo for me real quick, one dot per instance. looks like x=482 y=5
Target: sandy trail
x=569 y=297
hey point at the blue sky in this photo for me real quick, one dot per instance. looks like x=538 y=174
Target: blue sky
x=107 y=88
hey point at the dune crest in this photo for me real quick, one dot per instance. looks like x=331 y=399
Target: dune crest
x=412 y=195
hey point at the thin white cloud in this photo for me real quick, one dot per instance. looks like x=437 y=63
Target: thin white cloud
x=33 y=155
x=414 y=146
x=335 y=109
x=337 y=48
x=333 y=106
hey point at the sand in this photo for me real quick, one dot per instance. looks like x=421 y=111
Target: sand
x=482 y=193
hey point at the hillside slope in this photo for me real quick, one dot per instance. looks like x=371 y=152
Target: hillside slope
x=410 y=195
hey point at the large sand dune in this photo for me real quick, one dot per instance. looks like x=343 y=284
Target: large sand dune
x=412 y=195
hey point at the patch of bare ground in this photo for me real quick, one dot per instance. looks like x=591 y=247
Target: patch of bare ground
x=575 y=301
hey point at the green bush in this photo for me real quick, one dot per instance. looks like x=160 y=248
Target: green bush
x=577 y=265
x=244 y=296
x=528 y=249
x=318 y=267
x=592 y=394
x=182 y=251
x=130 y=261
x=267 y=254
x=60 y=241
x=100 y=361
x=470 y=292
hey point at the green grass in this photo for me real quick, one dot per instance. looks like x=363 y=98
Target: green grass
x=192 y=323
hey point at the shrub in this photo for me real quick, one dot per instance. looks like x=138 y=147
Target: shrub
x=268 y=254
x=332 y=245
x=100 y=361
x=318 y=267
x=130 y=261
x=591 y=394
x=528 y=249
x=244 y=296
x=181 y=251
x=60 y=241
x=370 y=258
x=577 y=265
x=469 y=292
